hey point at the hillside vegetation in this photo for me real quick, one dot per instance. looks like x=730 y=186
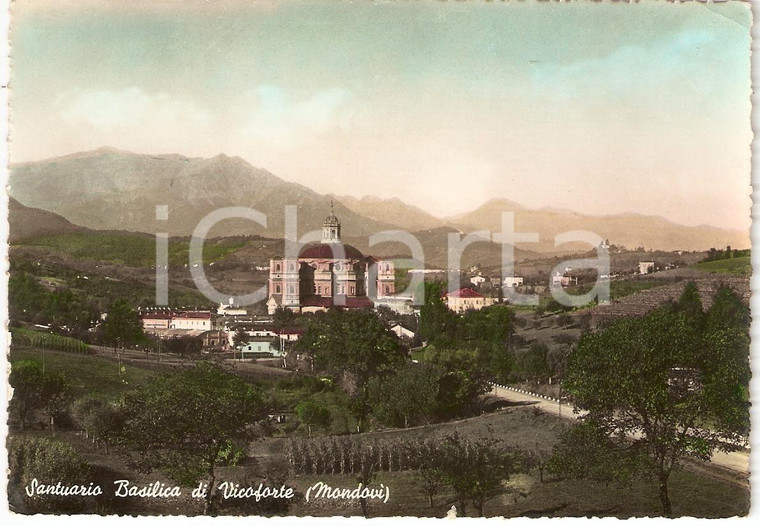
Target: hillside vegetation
x=741 y=266
x=134 y=250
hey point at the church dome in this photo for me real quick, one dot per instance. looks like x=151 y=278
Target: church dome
x=325 y=251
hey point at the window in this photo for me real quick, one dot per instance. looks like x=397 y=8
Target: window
x=277 y=289
x=277 y=267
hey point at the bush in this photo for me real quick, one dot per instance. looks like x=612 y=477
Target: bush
x=49 y=462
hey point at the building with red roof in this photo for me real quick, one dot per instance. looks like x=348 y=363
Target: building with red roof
x=465 y=299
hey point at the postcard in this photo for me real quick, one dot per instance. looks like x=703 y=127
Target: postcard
x=379 y=259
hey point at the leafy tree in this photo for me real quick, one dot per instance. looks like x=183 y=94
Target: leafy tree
x=460 y=383
x=476 y=470
x=183 y=421
x=34 y=389
x=122 y=326
x=410 y=395
x=690 y=304
x=313 y=413
x=532 y=364
x=240 y=337
x=670 y=390
x=50 y=462
x=283 y=317
x=586 y=451
x=432 y=477
x=107 y=423
x=437 y=323
x=356 y=344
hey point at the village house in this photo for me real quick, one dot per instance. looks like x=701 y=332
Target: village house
x=225 y=309
x=464 y=299
x=478 y=280
x=646 y=267
x=193 y=320
x=258 y=346
x=561 y=279
x=513 y=281
x=155 y=320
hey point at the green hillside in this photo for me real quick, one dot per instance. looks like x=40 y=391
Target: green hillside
x=741 y=266
x=133 y=250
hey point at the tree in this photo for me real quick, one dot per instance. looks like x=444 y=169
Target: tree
x=182 y=421
x=50 y=462
x=437 y=323
x=35 y=389
x=283 y=317
x=658 y=383
x=532 y=364
x=355 y=344
x=240 y=337
x=122 y=326
x=476 y=470
x=432 y=478
x=409 y=395
x=313 y=413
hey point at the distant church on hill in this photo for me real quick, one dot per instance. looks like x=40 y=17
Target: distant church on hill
x=317 y=280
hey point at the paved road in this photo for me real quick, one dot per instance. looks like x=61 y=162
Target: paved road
x=736 y=460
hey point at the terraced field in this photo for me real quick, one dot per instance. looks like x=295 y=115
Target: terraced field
x=645 y=301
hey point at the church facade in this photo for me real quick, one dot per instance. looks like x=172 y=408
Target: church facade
x=328 y=274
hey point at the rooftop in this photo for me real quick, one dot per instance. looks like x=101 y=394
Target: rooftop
x=464 y=293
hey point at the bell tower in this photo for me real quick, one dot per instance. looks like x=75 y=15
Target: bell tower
x=331 y=227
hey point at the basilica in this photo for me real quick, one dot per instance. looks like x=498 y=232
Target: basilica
x=329 y=274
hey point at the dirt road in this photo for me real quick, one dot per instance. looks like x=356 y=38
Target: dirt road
x=735 y=461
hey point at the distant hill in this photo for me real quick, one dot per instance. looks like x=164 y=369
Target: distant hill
x=26 y=222
x=405 y=216
x=110 y=189
x=435 y=248
x=629 y=230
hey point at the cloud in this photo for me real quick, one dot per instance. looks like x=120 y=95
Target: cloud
x=113 y=110
x=627 y=70
x=284 y=123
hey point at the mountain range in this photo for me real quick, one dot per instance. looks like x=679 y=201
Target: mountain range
x=109 y=189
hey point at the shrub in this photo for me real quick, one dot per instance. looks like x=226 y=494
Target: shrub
x=50 y=462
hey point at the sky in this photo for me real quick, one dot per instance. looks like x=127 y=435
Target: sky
x=602 y=108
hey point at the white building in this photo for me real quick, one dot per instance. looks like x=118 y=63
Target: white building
x=192 y=321
x=477 y=280
x=401 y=331
x=465 y=299
x=513 y=281
x=646 y=267
x=560 y=279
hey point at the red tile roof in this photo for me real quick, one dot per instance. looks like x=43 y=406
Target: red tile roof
x=325 y=251
x=194 y=315
x=156 y=316
x=292 y=330
x=465 y=293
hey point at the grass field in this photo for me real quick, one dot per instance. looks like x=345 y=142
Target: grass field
x=88 y=374
x=741 y=266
